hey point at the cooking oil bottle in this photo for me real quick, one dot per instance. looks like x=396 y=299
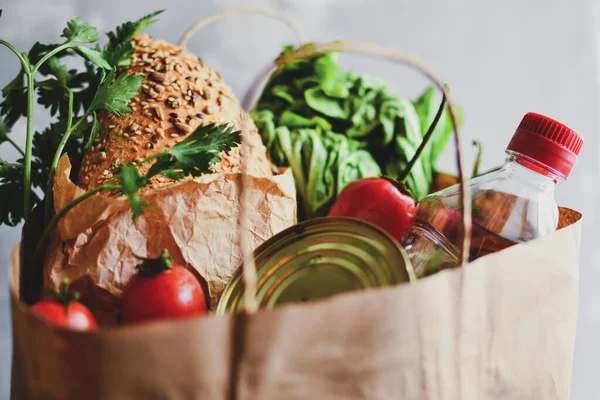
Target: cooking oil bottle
x=512 y=205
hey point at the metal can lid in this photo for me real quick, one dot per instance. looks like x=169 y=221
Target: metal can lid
x=320 y=258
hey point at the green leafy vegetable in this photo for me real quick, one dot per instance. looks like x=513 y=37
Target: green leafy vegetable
x=72 y=96
x=318 y=100
x=80 y=32
x=11 y=193
x=333 y=126
x=45 y=144
x=131 y=182
x=4 y=131
x=125 y=32
x=322 y=162
x=426 y=109
x=114 y=95
x=53 y=92
x=118 y=50
x=195 y=155
x=94 y=56
x=4 y=138
x=15 y=104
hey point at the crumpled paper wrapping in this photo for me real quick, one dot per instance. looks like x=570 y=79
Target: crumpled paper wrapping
x=195 y=219
x=501 y=328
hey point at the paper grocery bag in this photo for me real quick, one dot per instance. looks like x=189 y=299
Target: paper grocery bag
x=502 y=327
x=195 y=219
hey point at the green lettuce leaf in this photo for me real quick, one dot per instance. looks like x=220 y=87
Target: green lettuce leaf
x=332 y=126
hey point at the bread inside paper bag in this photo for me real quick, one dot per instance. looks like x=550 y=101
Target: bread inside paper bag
x=194 y=219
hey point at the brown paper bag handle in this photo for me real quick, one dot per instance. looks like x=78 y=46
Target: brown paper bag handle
x=386 y=53
x=249 y=10
x=240 y=326
x=249 y=267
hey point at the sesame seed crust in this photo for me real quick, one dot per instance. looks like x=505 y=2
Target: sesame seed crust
x=179 y=93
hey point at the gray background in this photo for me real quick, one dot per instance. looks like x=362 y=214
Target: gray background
x=501 y=60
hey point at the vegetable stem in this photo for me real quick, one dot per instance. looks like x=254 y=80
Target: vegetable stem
x=26 y=289
x=24 y=62
x=28 y=148
x=29 y=140
x=39 y=250
x=7 y=164
x=81 y=120
x=406 y=172
x=51 y=53
x=477 y=159
x=16 y=146
x=57 y=154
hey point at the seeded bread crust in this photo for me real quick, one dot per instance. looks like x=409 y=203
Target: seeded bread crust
x=179 y=94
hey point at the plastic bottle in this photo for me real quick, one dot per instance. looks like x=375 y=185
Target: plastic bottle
x=514 y=204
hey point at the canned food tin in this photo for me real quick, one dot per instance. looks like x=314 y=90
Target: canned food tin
x=319 y=258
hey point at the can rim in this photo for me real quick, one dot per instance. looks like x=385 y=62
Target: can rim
x=224 y=305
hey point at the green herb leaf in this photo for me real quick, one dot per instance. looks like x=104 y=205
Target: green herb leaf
x=53 y=93
x=39 y=50
x=55 y=68
x=79 y=32
x=93 y=56
x=146 y=22
x=131 y=182
x=114 y=96
x=89 y=80
x=45 y=144
x=4 y=131
x=14 y=105
x=118 y=50
x=197 y=153
x=97 y=87
x=11 y=193
x=125 y=32
x=119 y=55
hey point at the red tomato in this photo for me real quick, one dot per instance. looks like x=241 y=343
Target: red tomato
x=171 y=293
x=75 y=316
x=378 y=201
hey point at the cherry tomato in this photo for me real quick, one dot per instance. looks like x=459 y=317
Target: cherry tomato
x=156 y=292
x=62 y=310
x=378 y=201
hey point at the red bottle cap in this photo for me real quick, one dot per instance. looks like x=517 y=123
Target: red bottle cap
x=548 y=142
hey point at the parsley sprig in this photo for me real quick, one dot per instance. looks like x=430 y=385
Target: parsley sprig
x=73 y=97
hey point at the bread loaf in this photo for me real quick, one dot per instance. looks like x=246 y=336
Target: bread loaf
x=179 y=93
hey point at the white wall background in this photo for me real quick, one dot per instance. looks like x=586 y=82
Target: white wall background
x=501 y=60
